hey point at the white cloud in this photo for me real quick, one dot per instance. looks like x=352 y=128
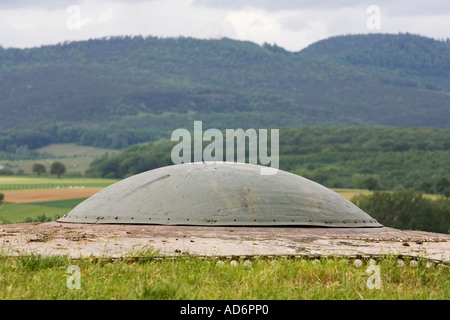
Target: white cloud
x=290 y=24
x=296 y=29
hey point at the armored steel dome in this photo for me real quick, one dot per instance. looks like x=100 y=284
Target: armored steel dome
x=219 y=194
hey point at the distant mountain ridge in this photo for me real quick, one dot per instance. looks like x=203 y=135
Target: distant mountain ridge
x=123 y=90
x=408 y=55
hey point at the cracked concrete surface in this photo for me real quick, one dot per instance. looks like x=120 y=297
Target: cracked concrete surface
x=114 y=241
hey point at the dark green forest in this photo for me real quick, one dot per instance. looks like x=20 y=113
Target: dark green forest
x=407 y=209
x=118 y=91
x=337 y=157
x=419 y=58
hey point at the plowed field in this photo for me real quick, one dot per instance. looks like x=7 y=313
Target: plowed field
x=38 y=195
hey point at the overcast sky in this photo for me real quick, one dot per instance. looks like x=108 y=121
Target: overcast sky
x=288 y=23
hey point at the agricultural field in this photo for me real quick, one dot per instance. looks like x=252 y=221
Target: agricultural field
x=28 y=199
x=74 y=150
x=350 y=193
x=76 y=158
x=31 y=182
x=36 y=212
x=75 y=166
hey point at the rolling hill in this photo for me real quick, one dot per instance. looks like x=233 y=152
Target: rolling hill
x=337 y=157
x=114 y=92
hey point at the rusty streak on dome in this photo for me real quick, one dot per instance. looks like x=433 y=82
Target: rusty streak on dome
x=219 y=194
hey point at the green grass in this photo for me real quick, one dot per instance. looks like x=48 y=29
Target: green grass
x=74 y=150
x=30 y=182
x=66 y=204
x=46 y=277
x=74 y=165
x=35 y=212
x=76 y=158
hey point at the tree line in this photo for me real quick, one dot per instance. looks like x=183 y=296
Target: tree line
x=407 y=209
x=377 y=158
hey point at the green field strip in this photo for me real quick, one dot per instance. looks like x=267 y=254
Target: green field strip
x=65 y=204
x=21 y=212
x=52 y=186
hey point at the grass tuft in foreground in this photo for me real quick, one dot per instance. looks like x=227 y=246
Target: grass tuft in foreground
x=146 y=277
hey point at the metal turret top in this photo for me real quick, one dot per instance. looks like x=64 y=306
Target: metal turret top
x=219 y=194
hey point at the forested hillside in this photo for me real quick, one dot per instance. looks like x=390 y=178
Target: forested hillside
x=123 y=90
x=339 y=157
x=425 y=61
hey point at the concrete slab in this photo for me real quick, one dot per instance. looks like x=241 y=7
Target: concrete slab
x=115 y=241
